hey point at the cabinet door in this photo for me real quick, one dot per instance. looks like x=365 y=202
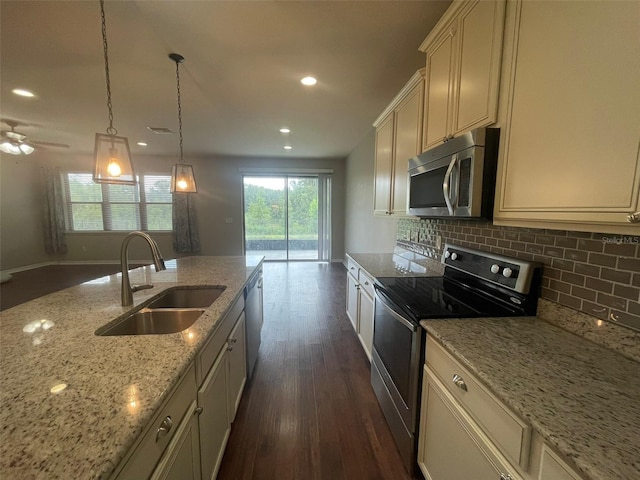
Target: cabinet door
x=384 y=162
x=553 y=468
x=366 y=322
x=438 y=89
x=479 y=45
x=181 y=461
x=408 y=143
x=571 y=147
x=237 y=365
x=450 y=446
x=352 y=300
x=214 y=420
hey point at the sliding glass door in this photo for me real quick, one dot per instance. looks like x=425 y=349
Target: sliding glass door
x=285 y=217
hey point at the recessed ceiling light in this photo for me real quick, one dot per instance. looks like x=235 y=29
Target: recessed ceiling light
x=288 y=147
x=22 y=92
x=308 y=81
x=142 y=144
x=285 y=130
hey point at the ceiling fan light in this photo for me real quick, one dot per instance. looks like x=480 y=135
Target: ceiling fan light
x=9 y=147
x=112 y=160
x=26 y=148
x=182 y=179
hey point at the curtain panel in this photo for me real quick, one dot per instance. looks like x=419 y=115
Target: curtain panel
x=54 y=224
x=185 y=224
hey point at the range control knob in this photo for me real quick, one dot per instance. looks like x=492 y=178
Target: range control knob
x=495 y=268
x=447 y=254
x=507 y=272
x=454 y=256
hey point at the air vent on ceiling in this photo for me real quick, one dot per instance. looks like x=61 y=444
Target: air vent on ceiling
x=160 y=130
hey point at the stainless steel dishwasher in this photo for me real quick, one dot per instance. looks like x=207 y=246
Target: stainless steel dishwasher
x=253 y=318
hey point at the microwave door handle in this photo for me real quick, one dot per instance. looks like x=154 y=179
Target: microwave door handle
x=445 y=185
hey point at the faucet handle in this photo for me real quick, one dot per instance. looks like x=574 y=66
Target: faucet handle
x=146 y=286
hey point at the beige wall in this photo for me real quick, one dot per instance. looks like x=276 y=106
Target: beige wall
x=21 y=237
x=219 y=197
x=364 y=232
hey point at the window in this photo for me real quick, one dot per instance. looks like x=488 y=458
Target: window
x=105 y=207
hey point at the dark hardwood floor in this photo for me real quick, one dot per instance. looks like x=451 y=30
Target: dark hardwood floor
x=37 y=282
x=309 y=411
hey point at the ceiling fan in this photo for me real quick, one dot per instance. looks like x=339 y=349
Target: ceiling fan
x=15 y=143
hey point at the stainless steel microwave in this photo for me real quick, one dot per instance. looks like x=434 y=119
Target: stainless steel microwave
x=457 y=178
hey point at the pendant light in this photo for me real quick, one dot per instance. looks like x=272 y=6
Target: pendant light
x=182 y=178
x=112 y=157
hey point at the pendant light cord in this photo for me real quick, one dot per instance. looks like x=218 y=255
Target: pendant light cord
x=110 y=130
x=179 y=108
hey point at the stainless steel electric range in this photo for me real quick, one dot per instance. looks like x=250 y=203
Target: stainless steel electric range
x=474 y=284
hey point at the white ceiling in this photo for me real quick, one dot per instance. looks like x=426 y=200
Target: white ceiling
x=240 y=80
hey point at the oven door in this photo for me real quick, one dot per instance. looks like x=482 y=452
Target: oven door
x=398 y=357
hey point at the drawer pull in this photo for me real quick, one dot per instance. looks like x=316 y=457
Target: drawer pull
x=505 y=476
x=459 y=382
x=199 y=410
x=164 y=427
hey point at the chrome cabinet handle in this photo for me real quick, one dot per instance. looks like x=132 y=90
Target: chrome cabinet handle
x=445 y=184
x=633 y=217
x=233 y=340
x=505 y=476
x=458 y=381
x=164 y=428
x=366 y=283
x=199 y=410
x=229 y=348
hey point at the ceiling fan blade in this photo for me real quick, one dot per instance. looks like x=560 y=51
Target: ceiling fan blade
x=48 y=144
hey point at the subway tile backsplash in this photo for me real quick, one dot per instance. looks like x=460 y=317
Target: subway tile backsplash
x=595 y=273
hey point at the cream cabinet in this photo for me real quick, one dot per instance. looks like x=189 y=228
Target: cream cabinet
x=182 y=460
x=451 y=447
x=467 y=432
x=237 y=366
x=464 y=53
x=571 y=138
x=398 y=138
x=215 y=424
x=360 y=304
x=187 y=437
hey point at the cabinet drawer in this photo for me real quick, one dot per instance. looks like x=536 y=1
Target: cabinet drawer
x=352 y=267
x=211 y=349
x=510 y=433
x=366 y=283
x=153 y=443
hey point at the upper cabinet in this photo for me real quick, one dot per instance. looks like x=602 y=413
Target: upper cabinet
x=571 y=137
x=464 y=53
x=398 y=138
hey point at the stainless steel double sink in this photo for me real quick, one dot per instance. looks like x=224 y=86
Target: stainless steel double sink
x=172 y=312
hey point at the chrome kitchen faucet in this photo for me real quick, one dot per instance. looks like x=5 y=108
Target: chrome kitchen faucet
x=127 y=290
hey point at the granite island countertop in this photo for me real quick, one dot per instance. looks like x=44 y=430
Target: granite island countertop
x=114 y=384
x=582 y=398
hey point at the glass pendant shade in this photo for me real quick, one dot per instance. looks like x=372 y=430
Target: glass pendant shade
x=182 y=179
x=9 y=147
x=112 y=160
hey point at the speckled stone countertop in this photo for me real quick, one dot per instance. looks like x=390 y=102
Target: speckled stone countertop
x=582 y=398
x=398 y=264
x=115 y=383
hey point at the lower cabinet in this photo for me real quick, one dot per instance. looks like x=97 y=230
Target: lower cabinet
x=187 y=437
x=360 y=304
x=182 y=458
x=466 y=432
x=215 y=424
x=451 y=447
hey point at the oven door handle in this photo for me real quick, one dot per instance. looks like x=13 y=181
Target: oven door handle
x=384 y=301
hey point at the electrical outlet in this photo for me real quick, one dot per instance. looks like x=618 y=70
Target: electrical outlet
x=228 y=220
x=438 y=242
x=84 y=249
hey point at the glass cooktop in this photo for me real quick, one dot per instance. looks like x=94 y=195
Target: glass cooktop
x=439 y=297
